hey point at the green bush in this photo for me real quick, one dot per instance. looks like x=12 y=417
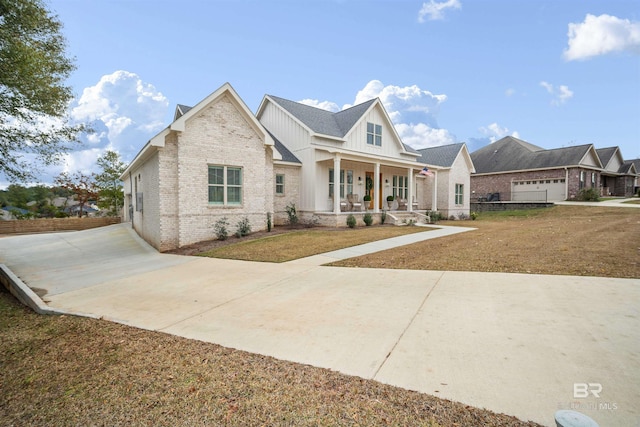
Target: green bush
x=292 y=213
x=389 y=198
x=221 y=228
x=383 y=217
x=368 y=219
x=474 y=215
x=589 y=195
x=351 y=221
x=243 y=228
x=268 y=221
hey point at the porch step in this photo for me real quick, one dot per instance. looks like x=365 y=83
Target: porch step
x=405 y=218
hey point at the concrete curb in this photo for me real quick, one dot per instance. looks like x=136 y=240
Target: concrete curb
x=26 y=296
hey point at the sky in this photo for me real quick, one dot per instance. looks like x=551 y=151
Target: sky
x=553 y=73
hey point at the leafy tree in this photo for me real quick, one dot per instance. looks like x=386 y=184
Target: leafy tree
x=17 y=196
x=82 y=186
x=34 y=124
x=111 y=195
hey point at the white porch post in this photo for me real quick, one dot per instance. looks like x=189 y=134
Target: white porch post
x=336 y=183
x=434 y=199
x=410 y=190
x=376 y=188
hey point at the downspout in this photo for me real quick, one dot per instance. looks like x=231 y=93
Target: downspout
x=566 y=183
x=132 y=198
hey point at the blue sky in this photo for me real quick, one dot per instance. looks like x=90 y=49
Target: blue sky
x=554 y=73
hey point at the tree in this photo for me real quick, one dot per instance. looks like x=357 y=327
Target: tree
x=82 y=186
x=111 y=195
x=34 y=124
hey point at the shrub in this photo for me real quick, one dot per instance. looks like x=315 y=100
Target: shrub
x=383 y=217
x=389 y=198
x=292 y=213
x=243 y=228
x=221 y=228
x=474 y=215
x=367 y=198
x=351 y=221
x=268 y=221
x=589 y=195
x=368 y=219
x=462 y=216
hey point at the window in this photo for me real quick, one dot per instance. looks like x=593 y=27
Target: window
x=349 y=174
x=225 y=185
x=593 y=179
x=399 y=187
x=374 y=134
x=279 y=184
x=581 y=180
x=459 y=194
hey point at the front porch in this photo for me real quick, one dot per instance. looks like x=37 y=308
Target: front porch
x=330 y=219
x=353 y=184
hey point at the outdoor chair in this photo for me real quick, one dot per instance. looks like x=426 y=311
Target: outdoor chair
x=394 y=205
x=402 y=204
x=354 y=200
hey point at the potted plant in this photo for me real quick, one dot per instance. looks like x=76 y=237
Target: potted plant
x=367 y=200
x=390 y=201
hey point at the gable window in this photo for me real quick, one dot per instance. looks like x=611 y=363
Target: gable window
x=399 y=187
x=374 y=134
x=280 y=184
x=459 y=194
x=225 y=185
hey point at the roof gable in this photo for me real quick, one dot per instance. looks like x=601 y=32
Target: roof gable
x=443 y=155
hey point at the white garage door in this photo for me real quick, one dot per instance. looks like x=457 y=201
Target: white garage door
x=551 y=190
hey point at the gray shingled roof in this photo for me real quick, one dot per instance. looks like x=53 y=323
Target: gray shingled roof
x=443 y=155
x=513 y=154
x=636 y=164
x=628 y=168
x=322 y=121
x=606 y=154
x=181 y=110
x=287 y=156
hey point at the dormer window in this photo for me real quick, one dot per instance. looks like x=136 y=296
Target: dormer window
x=374 y=134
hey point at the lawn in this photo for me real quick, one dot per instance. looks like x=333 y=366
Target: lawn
x=73 y=371
x=303 y=243
x=564 y=240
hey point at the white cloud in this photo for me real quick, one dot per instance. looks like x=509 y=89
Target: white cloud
x=599 y=35
x=435 y=10
x=509 y=92
x=561 y=94
x=124 y=112
x=495 y=132
x=325 y=105
x=413 y=111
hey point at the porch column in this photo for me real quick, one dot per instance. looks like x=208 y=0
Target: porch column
x=336 y=183
x=376 y=188
x=410 y=190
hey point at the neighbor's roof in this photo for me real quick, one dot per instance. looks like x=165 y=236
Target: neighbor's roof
x=513 y=154
x=322 y=121
x=181 y=110
x=606 y=154
x=443 y=155
x=628 y=167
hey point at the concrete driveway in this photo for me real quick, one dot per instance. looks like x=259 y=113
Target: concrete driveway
x=525 y=345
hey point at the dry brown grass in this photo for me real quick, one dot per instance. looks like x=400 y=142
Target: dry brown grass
x=303 y=243
x=564 y=240
x=70 y=371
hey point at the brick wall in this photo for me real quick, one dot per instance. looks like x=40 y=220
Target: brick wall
x=220 y=135
x=291 y=192
x=54 y=224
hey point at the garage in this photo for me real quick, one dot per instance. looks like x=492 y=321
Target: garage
x=551 y=190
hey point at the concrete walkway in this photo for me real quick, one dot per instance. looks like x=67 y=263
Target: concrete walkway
x=511 y=343
x=613 y=203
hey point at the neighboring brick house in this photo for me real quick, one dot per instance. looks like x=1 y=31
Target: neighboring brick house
x=619 y=177
x=512 y=169
x=218 y=160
